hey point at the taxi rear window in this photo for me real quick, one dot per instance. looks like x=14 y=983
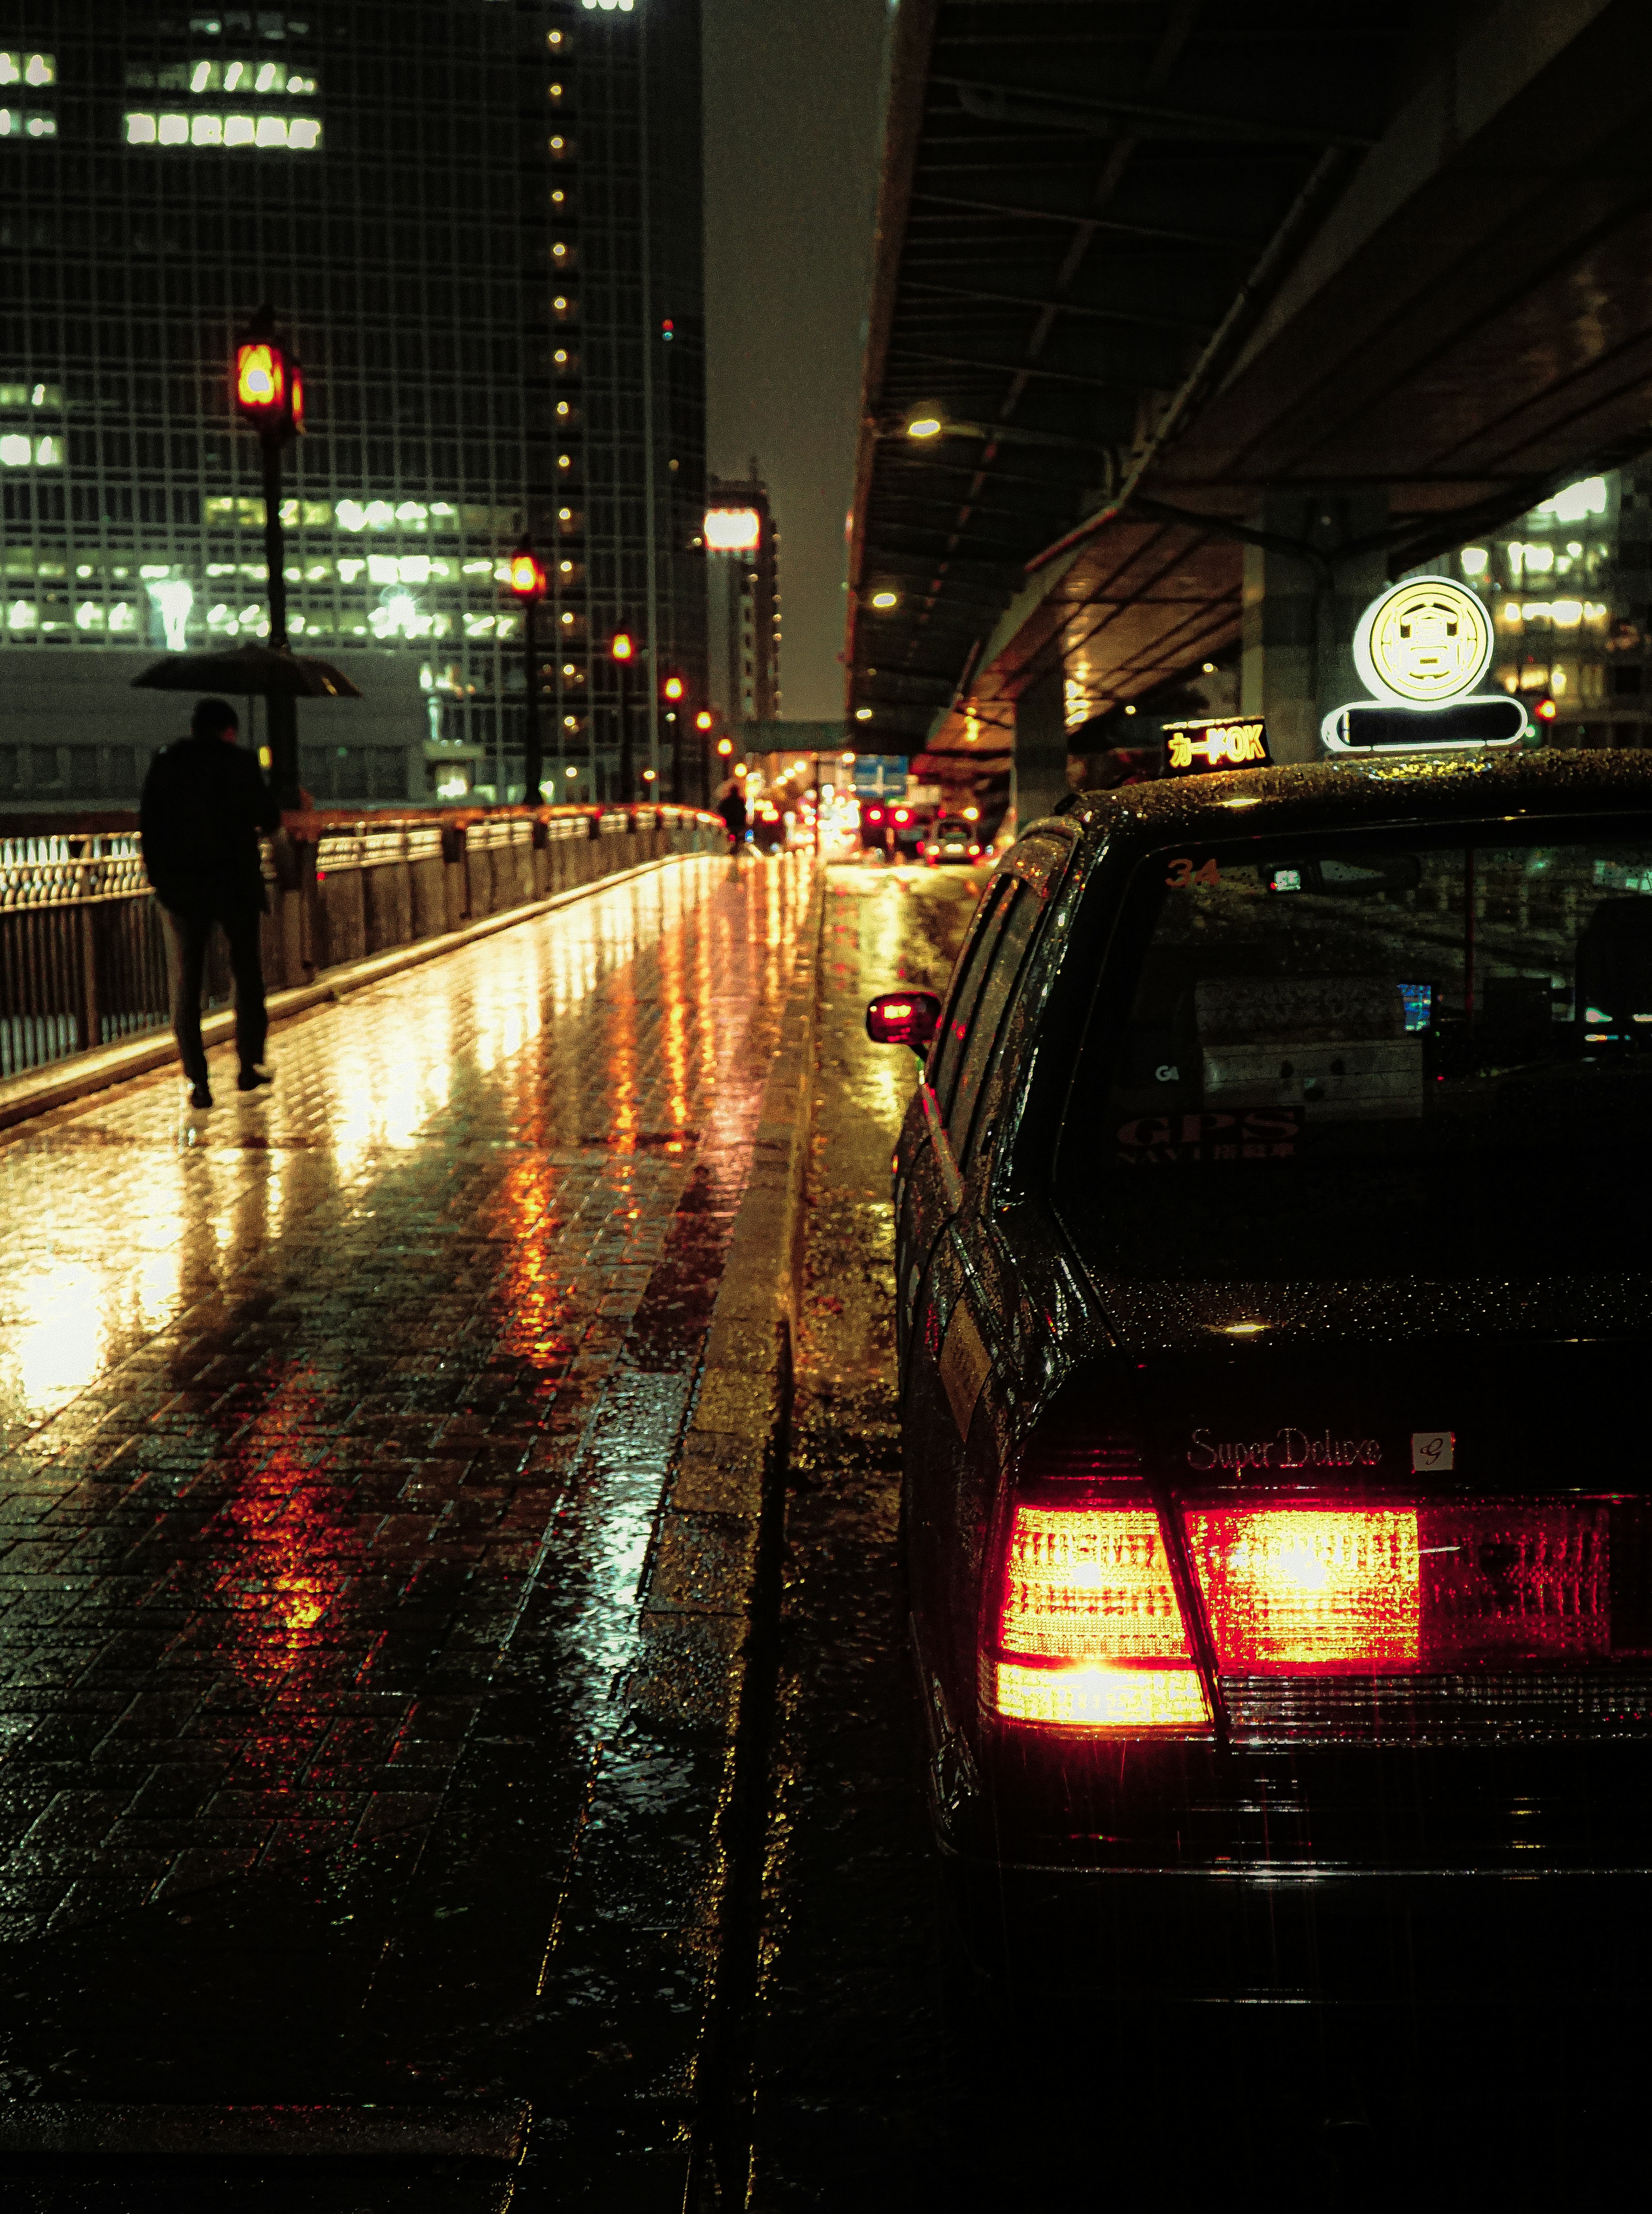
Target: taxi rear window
x=1328 y=1056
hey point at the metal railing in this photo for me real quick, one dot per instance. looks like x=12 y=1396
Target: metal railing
x=82 y=957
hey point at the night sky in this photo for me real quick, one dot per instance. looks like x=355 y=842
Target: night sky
x=793 y=92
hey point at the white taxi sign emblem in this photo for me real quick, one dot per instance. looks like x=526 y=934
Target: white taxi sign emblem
x=1227 y=742
x=1427 y=643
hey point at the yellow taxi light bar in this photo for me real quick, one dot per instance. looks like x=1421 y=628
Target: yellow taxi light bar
x=1216 y=743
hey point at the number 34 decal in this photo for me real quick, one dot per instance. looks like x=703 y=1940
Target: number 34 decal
x=1182 y=873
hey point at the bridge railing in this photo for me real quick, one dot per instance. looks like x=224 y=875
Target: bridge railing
x=82 y=961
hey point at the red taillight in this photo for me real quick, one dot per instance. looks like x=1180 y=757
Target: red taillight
x=1319 y=1589
x=1514 y=1582
x=1089 y=1630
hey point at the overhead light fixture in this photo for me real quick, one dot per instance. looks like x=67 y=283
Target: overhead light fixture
x=886 y=599
x=863 y=714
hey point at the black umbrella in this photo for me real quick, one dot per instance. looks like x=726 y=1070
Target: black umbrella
x=253 y=671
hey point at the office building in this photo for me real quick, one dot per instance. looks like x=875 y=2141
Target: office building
x=479 y=224
x=743 y=548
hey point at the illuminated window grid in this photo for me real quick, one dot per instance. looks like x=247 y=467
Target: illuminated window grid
x=140 y=503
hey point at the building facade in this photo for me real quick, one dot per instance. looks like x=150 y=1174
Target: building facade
x=478 y=221
x=743 y=543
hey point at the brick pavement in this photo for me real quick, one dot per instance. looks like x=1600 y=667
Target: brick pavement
x=333 y=1427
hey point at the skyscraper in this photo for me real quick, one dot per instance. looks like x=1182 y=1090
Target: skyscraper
x=479 y=223
x=743 y=543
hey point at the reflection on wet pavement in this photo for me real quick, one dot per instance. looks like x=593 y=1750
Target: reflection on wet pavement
x=855 y=2104
x=333 y=1424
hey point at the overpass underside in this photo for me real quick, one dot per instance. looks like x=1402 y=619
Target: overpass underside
x=1223 y=317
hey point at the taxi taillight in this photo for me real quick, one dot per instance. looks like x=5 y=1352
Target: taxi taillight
x=1309 y=1589
x=1088 y=1632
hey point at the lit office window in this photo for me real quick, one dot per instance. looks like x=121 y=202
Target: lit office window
x=294 y=134
x=29 y=68
x=26 y=123
x=18 y=452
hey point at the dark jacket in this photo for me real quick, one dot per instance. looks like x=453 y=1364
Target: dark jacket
x=203 y=807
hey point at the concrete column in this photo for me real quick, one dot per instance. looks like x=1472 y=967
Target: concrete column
x=1040 y=748
x=1299 y=617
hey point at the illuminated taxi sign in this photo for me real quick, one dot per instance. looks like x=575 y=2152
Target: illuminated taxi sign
x=1423 y=644
x=1421 y=648
x=1227 y=742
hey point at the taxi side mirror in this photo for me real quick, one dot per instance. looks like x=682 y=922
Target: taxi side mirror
x=904 y=1018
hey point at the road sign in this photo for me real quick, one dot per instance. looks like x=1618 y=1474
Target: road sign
x=876 y=775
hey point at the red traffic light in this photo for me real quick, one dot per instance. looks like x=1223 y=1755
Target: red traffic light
x=704 y=720
x=622 y=645
x=672 y=688
x=1545 y=709
x=527 y=574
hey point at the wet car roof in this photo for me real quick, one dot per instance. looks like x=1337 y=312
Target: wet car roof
x=1374 y=793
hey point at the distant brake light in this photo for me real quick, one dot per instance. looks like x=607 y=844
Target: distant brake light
x=1089 y=1629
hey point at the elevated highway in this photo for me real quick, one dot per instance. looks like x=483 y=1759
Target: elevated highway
x=1192 y=326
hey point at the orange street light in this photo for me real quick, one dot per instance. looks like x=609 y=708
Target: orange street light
x=622 y=648
x=267 y=387
x=525 y=575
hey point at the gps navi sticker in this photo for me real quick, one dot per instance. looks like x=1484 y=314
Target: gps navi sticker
x=1173 y=1140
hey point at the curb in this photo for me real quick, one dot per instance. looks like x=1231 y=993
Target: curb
x=22 y=1097
x=720 y=1551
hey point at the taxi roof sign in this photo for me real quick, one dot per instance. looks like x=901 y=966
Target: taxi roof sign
x=1217 y=742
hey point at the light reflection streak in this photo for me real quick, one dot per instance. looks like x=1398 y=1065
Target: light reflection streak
x=116 y=1227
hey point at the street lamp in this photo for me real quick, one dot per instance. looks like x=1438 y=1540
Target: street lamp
x=527 y=578
x=269 y=396
x=705 y=722
x=672 y=690
x=623 y=649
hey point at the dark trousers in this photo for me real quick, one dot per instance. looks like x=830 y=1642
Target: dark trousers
x=186 y=936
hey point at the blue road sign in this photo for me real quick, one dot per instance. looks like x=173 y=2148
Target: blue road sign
x=876 y=775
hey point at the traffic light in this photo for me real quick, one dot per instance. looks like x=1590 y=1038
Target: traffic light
x=622 y=645
x=705 y=719
x=726 y=746
x=527 y=574
x=672 y=688
x=1543 y=711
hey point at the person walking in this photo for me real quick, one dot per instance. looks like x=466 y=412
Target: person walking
x=203 y=804
x=732 y=806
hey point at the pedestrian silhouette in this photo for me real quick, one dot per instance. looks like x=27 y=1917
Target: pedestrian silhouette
x=203 y=807
x=732 y=806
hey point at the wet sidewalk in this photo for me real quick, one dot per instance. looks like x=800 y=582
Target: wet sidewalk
x=334 y=1428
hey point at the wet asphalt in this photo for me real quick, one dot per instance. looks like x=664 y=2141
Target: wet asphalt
x=335 y=1428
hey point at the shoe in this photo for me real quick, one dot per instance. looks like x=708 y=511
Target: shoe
x=253 y=1075
x=199 y=1096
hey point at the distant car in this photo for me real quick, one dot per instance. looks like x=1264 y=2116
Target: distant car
x=950 y=840
x=1273 y=1316
x=767 y=828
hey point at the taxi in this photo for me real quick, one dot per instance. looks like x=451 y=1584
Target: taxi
x=1274 y=1312
x=952 y=839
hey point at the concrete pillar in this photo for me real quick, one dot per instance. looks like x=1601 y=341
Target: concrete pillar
x=1299 y=615
x=1040 y=748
